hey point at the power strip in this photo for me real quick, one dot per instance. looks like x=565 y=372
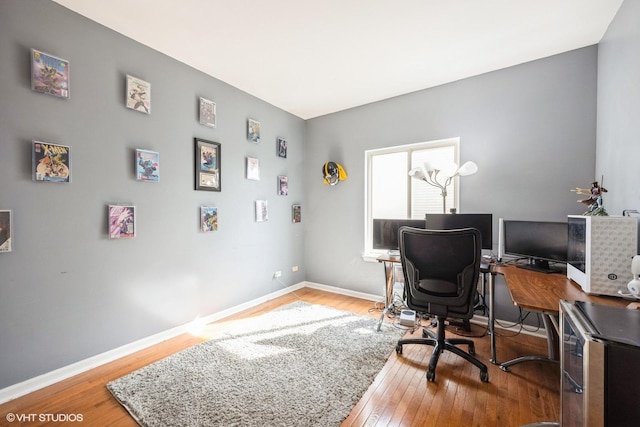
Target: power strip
x=408 y=318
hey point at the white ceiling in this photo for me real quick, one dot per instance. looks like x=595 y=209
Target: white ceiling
x=314 y=57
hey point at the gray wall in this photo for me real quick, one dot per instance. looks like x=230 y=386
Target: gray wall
x=618 y=135
x=67 y=292
x=530 y=129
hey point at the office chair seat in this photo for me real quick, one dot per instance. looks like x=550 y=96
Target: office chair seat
x=441 y=270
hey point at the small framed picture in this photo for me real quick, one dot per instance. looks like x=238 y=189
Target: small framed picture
x=138 y=94
x=253 y=131
x=208 y=219
x=207 y=112
x=147 y=166
x=262 y=210
x=51 y=162
x=49 y=74
x=283 y=185
x=296 y=213
x=253 y=169
x=5 y=231
x=208 y=165
x=281 y=146
x=122 y=222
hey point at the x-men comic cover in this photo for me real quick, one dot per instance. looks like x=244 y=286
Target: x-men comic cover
x=51 y=162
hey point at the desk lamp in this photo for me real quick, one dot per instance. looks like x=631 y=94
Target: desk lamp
x=440 y=176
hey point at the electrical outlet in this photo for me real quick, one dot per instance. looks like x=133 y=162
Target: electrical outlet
x=294 y=268
x=277 y=274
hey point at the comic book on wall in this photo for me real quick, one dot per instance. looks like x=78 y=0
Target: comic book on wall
x=49 y=74
x=209 y=219
x=122 y=222
x=5 y=231
x=296 y=213
x=51 y=162
x=147 y=166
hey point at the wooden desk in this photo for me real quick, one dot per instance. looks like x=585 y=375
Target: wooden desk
x=539 y=292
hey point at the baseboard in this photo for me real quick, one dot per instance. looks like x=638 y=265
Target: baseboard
x=515 y=329
x=347 y=292
x=55 y=376
x=44 y=380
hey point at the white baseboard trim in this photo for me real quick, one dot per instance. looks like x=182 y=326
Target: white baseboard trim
x=347 y=292
x=514 y=329
x=55 y=376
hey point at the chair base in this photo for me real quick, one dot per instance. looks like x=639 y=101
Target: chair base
x=440 y=344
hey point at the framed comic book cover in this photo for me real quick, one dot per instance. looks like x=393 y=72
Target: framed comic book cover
x=147 y=165
x=253 y=169
x=262 y=210
x=51 y=162
x=283 y=185
x=5 y=231
x=207 y=112
x=208 y=165
x=253 y=131
x=296 y=213
x=122 y=221
x=138 y=94
x=208 y=219
x=49 y=74
x=281 y=147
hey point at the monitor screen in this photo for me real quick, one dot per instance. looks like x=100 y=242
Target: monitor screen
x=482 y=222
x=539 y=241
x=385 y=232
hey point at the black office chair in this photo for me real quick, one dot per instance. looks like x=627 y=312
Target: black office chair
x=441 y=270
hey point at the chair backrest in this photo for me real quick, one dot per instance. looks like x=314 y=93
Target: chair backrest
x=441 y=269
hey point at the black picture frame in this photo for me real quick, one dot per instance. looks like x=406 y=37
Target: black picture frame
x=207 y=165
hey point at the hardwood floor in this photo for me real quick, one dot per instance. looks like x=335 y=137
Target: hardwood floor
x=399 y=396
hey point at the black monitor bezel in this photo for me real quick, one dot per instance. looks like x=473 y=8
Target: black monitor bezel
x=545 y=255
x=395 y=224
x=481 y=221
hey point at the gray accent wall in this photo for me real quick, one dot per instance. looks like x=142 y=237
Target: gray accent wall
x=67 y=292
x=530 y=128
x=618 y=135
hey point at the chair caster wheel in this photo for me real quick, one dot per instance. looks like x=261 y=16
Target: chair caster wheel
x=431 y=375
x=484 y=376
x=399 y=349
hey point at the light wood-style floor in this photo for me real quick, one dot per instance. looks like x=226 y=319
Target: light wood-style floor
x=399 y=396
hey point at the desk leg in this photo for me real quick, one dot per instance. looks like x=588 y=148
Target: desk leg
x=388 y=292
x=492 y=317
x=553 y=340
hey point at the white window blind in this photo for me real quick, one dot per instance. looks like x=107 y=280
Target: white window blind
x=391 y=193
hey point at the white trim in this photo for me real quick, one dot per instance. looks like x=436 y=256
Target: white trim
x=20 y=389
x=347 y=292
x=60 y=374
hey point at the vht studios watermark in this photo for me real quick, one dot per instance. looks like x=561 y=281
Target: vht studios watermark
x=44 y=418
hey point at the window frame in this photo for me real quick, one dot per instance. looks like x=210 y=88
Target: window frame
x=369 y=253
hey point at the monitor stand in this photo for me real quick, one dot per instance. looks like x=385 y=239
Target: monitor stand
x=539 y=265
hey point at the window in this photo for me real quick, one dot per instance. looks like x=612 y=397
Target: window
x=391 y=193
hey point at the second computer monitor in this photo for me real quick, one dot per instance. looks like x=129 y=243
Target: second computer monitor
x=482 y=222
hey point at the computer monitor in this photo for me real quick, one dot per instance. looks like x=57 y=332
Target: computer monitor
x=541 y=242
x=385 y=232
x=482 y=222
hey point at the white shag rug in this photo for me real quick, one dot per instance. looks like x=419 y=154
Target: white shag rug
x=300 y=365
